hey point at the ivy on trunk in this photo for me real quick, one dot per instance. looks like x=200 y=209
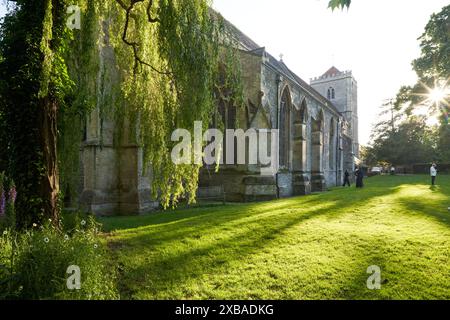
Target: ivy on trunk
x=34 y=84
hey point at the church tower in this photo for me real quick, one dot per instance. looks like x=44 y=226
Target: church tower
x=341 y=89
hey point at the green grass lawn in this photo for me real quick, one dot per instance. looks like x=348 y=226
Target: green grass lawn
x=311 y=247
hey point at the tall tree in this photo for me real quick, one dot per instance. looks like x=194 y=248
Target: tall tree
x=433 y=70
x=433 y=65
x=33 y=84
x=167 y=54
x=390 y=116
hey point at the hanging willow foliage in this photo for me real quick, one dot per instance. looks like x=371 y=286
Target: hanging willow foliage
x=164 y=76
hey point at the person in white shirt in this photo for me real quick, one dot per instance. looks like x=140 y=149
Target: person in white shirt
x=433 y=173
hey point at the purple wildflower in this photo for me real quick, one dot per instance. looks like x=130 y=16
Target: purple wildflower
x=2 y=203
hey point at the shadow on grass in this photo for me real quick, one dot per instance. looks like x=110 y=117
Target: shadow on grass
x=346 y=196
x=436 y=208
x=193 y=214
x=159 y=254
x=411 y=278
x=188 y=247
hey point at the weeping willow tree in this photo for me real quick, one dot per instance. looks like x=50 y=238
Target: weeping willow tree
x=174 y=60
x=167 y=57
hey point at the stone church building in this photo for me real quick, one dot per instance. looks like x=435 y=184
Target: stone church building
x=317 y=122
x=318 y=139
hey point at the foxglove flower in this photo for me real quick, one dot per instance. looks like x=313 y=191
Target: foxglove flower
x=2 y=203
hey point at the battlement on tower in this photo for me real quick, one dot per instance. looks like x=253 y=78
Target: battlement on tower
x=332 y=76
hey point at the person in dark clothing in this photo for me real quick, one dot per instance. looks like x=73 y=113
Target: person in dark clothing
x=346 y=178
x=359 y=178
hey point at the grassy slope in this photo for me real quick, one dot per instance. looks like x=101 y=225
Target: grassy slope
x=313 y=247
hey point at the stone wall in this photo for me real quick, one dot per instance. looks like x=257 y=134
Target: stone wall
x=113 y=177
x=315 y=158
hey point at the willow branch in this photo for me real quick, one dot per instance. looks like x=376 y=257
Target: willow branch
x=149 y=13
x=135 y=45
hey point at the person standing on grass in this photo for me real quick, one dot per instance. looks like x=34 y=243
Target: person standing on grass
x=359 y=178
x=433 y=173
x=347 y=179
x=392 y=171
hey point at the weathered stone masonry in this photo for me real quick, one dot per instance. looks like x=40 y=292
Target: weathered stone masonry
x=318 y=137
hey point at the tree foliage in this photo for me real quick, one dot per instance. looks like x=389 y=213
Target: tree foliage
x=339 y=4
x=435 y=48
x=407 y=139
x=433 y=65
x=149 y=66
x=33 y=86
x=411 y=141
x=165 y=76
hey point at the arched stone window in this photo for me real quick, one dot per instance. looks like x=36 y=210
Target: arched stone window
x=303 y=113
x=317 y=143
x=226 y=117
x=317 y=125
x=285 y=128
x=332 y=145
x=299 y=143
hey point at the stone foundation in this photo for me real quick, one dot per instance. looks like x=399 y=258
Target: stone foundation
x=301 y=184
x=318 y=183
x=246 y=187
x=113 y=187
x=259 y=188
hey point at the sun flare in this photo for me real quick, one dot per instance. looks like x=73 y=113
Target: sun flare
x=438 y=95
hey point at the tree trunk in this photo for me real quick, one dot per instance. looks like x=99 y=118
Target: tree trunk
x=49 y=186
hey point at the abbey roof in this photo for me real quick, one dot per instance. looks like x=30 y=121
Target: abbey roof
x=248 y=45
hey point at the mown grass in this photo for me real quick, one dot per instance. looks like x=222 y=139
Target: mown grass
x=311 y=247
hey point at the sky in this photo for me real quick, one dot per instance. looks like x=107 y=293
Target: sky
x=377 y=40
